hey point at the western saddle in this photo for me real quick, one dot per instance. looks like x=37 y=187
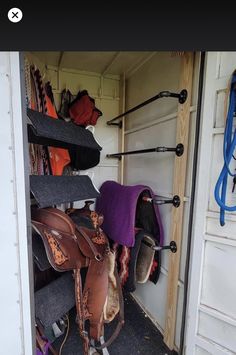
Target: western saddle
x=72 y=245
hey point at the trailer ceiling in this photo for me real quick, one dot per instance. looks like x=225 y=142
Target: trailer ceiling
x=115 y=63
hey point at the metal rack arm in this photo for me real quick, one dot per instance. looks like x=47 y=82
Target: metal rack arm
x=175 y=201
x=182 y=97
x=179 y=150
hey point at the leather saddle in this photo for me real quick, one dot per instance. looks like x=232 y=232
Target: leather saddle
x=70 y=246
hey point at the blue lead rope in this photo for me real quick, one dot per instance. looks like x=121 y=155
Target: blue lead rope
x=228 y=150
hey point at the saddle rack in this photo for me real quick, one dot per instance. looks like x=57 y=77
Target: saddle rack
x=179 y=150
x=182 y=97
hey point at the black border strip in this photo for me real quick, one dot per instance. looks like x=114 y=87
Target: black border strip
x=115 y=26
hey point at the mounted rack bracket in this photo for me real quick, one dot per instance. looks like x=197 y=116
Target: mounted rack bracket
x=179 y=149
x=182 y=96
x=172 y=247
x=175 y=201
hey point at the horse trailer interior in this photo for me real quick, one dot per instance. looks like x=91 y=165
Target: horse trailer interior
x=160 y=125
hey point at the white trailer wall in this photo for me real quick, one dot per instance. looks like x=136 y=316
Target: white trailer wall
x=155 y=125
x=211 y=327
x=105 y=89
x=15 y=330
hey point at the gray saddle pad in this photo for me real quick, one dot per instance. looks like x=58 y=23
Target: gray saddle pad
x=49 y=190
x=58 y=297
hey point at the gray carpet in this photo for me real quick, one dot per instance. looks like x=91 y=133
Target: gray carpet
x=51 y=190
x=139 y=335
x=55 y=299
x=58 y=130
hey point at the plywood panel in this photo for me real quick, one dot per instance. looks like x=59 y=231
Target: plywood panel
x=217 y=287
x=217 y=331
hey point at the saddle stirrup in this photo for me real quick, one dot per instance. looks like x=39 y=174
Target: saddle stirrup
x=93 y=350
x=120 y=323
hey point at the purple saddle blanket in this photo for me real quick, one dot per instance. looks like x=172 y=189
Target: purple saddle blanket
x=118 y=205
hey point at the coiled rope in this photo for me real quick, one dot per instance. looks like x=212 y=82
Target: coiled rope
x=228 y=150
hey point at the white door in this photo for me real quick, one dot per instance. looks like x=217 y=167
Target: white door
x=211 y=312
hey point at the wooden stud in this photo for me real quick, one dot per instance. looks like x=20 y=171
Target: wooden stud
x=182 y=133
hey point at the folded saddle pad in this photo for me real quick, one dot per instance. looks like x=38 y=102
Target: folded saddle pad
x=134 y=225
x=118 y=204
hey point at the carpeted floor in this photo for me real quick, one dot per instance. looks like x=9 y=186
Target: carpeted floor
x=138 y=336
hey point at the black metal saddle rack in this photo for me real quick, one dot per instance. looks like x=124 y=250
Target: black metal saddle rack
x=179 y=149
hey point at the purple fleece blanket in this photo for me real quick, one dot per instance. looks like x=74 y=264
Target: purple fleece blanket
x=118 y=205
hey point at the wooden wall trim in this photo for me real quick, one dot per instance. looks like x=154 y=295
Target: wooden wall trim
x=179 y=180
